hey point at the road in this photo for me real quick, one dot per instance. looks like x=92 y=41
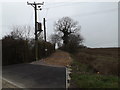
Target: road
x=35 y=76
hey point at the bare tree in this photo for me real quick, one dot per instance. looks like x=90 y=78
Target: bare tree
x=66 y=26
x=55 y=39
x=17 y=33
x=22 y=32
x=28 y=32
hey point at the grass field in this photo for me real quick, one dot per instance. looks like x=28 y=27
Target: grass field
x=95 y=68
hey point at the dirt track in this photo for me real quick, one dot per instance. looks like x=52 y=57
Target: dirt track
x=59 y=58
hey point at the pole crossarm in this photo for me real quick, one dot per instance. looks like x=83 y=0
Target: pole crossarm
x=35 y=3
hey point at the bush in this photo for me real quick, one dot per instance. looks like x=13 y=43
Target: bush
x=15 y=51
x=73 y=44
x=45 y=49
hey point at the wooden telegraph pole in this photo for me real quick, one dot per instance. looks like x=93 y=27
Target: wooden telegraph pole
x=36 y=7
x=44 y=29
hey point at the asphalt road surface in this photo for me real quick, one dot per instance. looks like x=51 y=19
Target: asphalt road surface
x=35 y=76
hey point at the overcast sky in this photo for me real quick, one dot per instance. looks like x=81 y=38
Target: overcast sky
x=98 y=20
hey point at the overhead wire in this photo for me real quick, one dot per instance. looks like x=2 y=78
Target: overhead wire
x=55 y=6
x=46 y=12
x=89 y=13
x=84 y=14
x=77 y=15
x=31 y=15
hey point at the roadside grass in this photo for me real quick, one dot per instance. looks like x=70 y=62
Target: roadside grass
x=80 y=68
x=95 y=81
x=84 y=76
x=105 y=63
x=95 y=70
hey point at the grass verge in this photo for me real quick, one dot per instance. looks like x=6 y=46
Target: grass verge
x=94 y=81
x=84 y=76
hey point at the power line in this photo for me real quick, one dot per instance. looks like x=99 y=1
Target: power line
x=88 y=14
x=94 y=13
x=54 y=6
x=84 y=14
x=30 y=18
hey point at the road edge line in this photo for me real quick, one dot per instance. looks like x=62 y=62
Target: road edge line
x=12 y=83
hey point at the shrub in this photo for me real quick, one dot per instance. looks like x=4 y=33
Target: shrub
x=45 y=49
x=15 y=51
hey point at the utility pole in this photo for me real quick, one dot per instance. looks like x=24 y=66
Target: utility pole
x=44 y=29
x=45 y=36
x=35 y=6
